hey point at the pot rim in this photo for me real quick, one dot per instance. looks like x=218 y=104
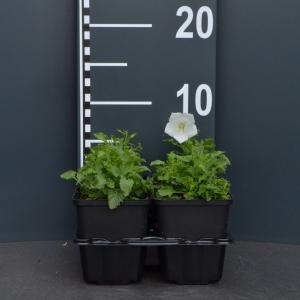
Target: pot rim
x=90 y=202
x=104 y=202
x=195 y=202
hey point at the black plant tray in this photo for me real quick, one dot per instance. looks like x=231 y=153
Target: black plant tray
x=155 y=241
x=181 y=261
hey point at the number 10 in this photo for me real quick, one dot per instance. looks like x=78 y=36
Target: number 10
x=184 y=91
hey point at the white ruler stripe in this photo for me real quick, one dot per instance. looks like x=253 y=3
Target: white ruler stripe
x=87 y=35
x=86 y=19
x=88 y=143
x=87 y=128
x=88 y=66
x=86 y=3
x=121 y=25
x=121 y=103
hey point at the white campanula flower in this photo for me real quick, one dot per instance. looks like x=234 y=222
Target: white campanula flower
x=181 y=127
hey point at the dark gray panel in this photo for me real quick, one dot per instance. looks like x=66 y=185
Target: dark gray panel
x=158 y=66
x=258 y=115
x=37 y=118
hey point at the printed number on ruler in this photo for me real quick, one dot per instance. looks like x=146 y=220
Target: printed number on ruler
x=204 y=34
x=202 y=89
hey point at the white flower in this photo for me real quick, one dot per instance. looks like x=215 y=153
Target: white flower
x=181 y=127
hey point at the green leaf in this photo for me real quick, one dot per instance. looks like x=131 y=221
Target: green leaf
x=157 y=163
x=126 y=185
x=166 y=191
x=141 y=169
x=115 y=198
x=101 y=136
x=100 y=181
x=110 y=183
x=115 y=170
x=69 y=175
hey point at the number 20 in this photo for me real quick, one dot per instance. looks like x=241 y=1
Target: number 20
x=183 y=34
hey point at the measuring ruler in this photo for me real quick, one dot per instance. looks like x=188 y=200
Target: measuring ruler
x=141 y=60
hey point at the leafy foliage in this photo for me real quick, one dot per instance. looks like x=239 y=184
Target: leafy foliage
x=112 y=171
x=193 y=172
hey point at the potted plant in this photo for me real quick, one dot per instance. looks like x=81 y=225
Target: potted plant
x=112 y=203
x=192 y=202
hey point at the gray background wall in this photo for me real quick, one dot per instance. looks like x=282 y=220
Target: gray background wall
x=37 y=118
x=257 y=116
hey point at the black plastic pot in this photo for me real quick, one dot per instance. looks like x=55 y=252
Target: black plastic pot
x=96 y=220
x=111 y=264
x=192 y=219
x=192 y=264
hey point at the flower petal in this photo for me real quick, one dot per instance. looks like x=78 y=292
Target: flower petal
x=193 y=131
x=181 y=138
x=189 y=117
x=170 y=129
x=182 y=117
x=174 y=116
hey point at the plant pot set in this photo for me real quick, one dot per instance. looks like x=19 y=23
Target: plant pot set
x=186 y=197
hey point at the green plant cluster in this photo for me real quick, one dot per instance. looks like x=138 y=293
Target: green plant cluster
x=113 y=170
x=193 y=172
